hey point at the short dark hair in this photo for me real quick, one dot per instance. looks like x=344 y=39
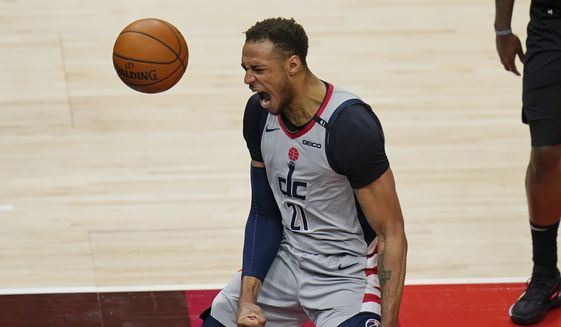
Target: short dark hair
x=287 y=35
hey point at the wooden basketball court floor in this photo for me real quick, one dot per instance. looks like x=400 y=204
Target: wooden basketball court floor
x=105 y=191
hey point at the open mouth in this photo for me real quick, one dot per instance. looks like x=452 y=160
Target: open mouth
x=265 y=99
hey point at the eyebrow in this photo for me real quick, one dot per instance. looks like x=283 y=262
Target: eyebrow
x=252 y=66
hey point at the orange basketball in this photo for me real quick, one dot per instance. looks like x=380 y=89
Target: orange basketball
x=150 y=55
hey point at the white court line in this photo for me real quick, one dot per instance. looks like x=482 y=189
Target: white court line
x=109 y=289
x=443 y=281
x=193 y=287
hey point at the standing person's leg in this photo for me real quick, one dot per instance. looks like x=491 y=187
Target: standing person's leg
x=543 y=190
x=542 y=107
x=543 y=187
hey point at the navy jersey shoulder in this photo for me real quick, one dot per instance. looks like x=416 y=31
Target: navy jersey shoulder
x=356 y=145
x=254 y=119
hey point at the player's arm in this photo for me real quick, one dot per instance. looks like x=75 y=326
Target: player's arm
x=357 y=142
x=508 y=44
x=263 y=234
x=263 y=231
x=380 y=204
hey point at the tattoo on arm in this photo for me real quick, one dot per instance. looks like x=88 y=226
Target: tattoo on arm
x=383 y=274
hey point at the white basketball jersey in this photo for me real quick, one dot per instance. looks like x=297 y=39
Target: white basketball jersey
x=317 y=204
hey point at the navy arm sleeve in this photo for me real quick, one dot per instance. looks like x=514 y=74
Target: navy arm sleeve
x=263 y=230
x=357 y=145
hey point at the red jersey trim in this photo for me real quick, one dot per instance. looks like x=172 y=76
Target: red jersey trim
x=312 y=122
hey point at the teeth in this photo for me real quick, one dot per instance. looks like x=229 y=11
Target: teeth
x=265 y=99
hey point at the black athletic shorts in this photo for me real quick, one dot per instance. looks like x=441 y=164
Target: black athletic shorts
x=542 y=111
x=542 y=65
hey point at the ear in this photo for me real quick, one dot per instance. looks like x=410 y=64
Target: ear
x=293 y=65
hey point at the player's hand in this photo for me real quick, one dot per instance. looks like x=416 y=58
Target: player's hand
x=508 y=47
x=250 y=315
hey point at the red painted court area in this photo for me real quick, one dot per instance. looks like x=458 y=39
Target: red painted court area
x=458 y=305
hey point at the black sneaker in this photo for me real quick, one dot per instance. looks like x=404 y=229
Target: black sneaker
x=541 y=295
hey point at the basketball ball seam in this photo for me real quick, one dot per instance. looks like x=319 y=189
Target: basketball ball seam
x=175 y=31
x=171 y=27
x=145 y=61
x=154 y=38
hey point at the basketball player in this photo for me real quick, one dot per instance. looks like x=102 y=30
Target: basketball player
x=541 y=99
x=321 y=185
